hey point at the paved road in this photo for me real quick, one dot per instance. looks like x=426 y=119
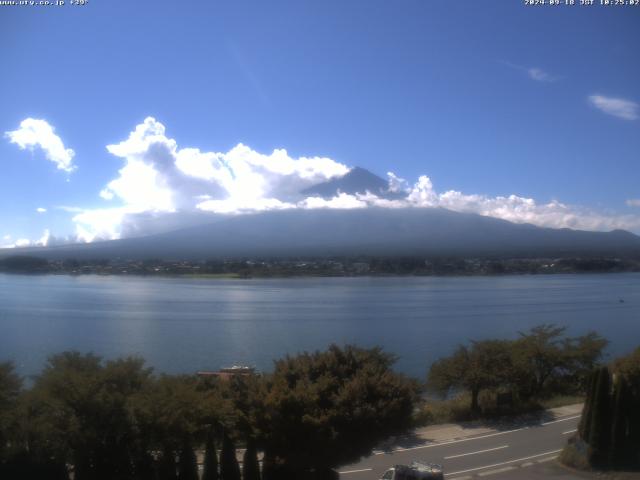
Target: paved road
x=518 y=452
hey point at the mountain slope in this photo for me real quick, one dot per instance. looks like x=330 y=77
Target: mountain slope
x=371 y=231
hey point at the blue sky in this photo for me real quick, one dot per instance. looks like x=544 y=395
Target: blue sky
x=486 y=99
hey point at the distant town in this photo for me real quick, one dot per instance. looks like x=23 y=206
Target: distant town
x=325 y=267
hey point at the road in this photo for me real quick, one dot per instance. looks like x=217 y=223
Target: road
x=518 y=452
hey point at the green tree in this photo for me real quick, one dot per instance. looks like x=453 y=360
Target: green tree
x=546 y=359
x=82 y=406
x=581 y=356
x=328 y=408
x=482 y=365
x=629 y=367
x=538 y=354
x=10 y=388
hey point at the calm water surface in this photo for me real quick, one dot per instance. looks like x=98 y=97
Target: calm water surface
x=183 y=325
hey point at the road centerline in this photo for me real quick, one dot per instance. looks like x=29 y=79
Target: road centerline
x=502 y=463
x=440 y=444
x=356 y=471
x=561 y=420
x=475 y=453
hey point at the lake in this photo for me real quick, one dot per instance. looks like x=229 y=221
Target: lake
x=184 y=325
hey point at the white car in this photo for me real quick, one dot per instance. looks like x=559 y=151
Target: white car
x=415 y=471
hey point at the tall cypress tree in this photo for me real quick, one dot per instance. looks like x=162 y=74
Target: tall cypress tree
x=268 y=467
x=250 y=467
x=144 y=467
x=619 y=424
x=188 y=464
x=210 y=459
x=600 y=431
x=584 y=427
x=229 y=468
x=167 y=465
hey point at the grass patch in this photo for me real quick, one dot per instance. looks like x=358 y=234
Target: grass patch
x=458 y=409
x=574 y=455
x=561 y=401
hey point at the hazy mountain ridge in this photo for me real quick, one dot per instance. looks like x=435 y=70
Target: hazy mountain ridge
x=370 y=231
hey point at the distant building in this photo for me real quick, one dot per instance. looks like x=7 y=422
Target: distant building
x=229 y=372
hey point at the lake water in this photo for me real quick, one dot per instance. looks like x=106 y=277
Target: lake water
x=184 y=325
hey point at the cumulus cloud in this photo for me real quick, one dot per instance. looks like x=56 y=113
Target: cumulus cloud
x=41 y=210
x=38 y=133
x=618 y=107
x=43 y=241
x=161 y=187
x=633 y=202
x=520 y=209
x=158 y=178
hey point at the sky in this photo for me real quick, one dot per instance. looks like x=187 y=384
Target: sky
x=123 y=118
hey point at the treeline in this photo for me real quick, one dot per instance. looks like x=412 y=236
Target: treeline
x=539 y=363
x=323 y=266
x=117 y=420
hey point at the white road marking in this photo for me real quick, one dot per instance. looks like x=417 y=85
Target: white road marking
x=475 y=453
x=562 y=420
x=355 y=471
x=503 y=463
x=570 y=431
x=497 y=470
x=452 y=441
x=548 y=459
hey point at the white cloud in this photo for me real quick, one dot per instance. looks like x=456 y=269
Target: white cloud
x=43 y=241
x=38 y=133
x=100 y=224
x=243 y=206
x=160 y=178
x=162 y=187
x=633 y=202
x=518 y=209
x=540 y=75
x=69 y=209
x=534 y=73
x=397 y=184
x=41 y=210
x=21 y=242
x=340 y=201
x=618 y=107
